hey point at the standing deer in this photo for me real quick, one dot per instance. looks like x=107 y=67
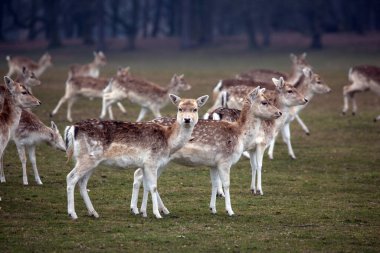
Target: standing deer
x=17 y=63
x=90 y=69
x=28 y=78
x=146 y=145
x=217 y=145
x=83 y=86
x=362 y=78
x=15 y=97
x=146 y=94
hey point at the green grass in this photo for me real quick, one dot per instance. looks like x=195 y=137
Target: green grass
x=327 y=200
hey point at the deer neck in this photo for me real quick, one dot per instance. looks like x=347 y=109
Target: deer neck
x=249 y=125
x=178 y=136
x=294 y=76
x=11 y=113
x=41 y=68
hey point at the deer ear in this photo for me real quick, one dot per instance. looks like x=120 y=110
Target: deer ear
x=307 y=72
x=201 y=101
x=95 y=53
x=254 y=93
x=279 y=83
x=175 y=99
x=303 y=55
x=181 y=76
x=293 y=57
x=54 y=126
x=10 y=84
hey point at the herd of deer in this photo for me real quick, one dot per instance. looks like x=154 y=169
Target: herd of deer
x=248 y=113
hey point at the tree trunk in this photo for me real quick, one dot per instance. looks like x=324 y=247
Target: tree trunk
x=115 y=5
x=51 y=25
x=2 y=38
x=132 y=27
x=100 y=43
x=157 y=18
x=186 y=24
x=249 y=23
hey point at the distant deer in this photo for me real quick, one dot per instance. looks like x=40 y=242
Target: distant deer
x=146 y=145
x=15 y=97
x=362 y=78
x=217 y=145
x=28 y=79
x=146 y=94
x=83 y=86
x=17 y=63
x=92 y=69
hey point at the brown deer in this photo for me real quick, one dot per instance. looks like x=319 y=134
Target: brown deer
x=15 y=97
x=91 y=69
x=362 y=78
x=146 y=94
x=217 y=145
x=146 y=145
x=17 y=63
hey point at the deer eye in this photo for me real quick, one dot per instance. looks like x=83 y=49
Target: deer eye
x=264 y=103
x=24 y=93
x=290 y=91
x=180 y=109
x=195 y=110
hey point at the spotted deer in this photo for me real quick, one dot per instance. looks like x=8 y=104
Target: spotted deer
x=146 y=94
x=362 y=78
x=145 y=145
x=83 y=86
x=217 y=145
x=15 y=97
x=17 y=63
x=91 y=69
x=285 y=97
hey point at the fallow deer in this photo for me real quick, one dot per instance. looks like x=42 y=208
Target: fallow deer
x=146 y=94
x=17 y=63
x=15 y=97
x=144 y=145
x=91 y=69
x=362 y=78
x=217 y=145
x=285 y=97
x=28 y=79
x=83 y=86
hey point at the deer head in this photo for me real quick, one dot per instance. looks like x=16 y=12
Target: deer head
x=261 y=106
x=178 y=83
x=100 y=58
x=187 y=114
x=21 y=96
x=55 y=138
x=315 y=82
x=288 y=94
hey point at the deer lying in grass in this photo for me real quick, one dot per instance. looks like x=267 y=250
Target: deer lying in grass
x=285 y=97
x=91 y=69
x=15 y=97
x=146 y=145
x=83 y=86
x=362 y=78
x=146 y=94
x=217 y=145
x=17 y=63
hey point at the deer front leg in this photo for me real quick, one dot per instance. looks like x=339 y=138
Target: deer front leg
x=84 y=193
x=137 y=180
x=70 y=103
x=271 y=147
x=2 y=175
x=122 y=108
x=60 y=103
x=142 y=113
x=22 y=156
x=253 y=161
x=214 y=188
x=285 y=131
x=156 y=112
x=150 y=177
x=224 y=173
x=259 y=161
x=32 y=158
x=302 y=124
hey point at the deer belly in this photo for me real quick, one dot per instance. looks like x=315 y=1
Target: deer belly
x=91 y=93
x=195 y=155
x=94 y=73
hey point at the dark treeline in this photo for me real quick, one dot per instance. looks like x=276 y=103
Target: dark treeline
x=195 y=22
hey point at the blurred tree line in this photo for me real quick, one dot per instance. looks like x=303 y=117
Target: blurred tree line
x=195 y=22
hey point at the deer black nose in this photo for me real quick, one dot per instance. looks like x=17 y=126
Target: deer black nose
x=280 y=113
x=306 y=100
x=187 y=120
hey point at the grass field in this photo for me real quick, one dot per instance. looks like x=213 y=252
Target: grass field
x=327 y=200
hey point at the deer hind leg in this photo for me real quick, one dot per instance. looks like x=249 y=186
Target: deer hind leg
x=32 y=158
x=156 y=112
x=144 y=202
x=224 y=173
x=259 y=164
x=302 y=124
x=142 y=113
x=271 y=147
x=70 y=103
x=2 y=175
x=122 y=108
x=285 y=131
x=220 y=192
x=60 y=103
x=22 y=156
x=214 y=188
x=106 y=104
x=253 y=161
x=137 y=180
x=84 y=193
x=110 y=112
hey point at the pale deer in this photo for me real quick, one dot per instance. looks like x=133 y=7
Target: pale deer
x=285 y=97
x=91 y=69
x=83 y=86
x=15 y=97
x=28 y=79
x=310 y=86
x=146 y=94
x=17 y=63
x=217 y=145
x=362 y=78
x=144 y=145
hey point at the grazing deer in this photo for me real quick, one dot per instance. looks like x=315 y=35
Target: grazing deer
x=146 y=145
x=31 y=132
x=217 y=145
x=285 y=97
x=146 y=94
x=266 y=75
x=17 y=63
x=90 y=69
x=15 y=97
x=362 y=78
x=83 y=86
x=311 y=85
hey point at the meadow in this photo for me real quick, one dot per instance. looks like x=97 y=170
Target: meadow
x=327 y=200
